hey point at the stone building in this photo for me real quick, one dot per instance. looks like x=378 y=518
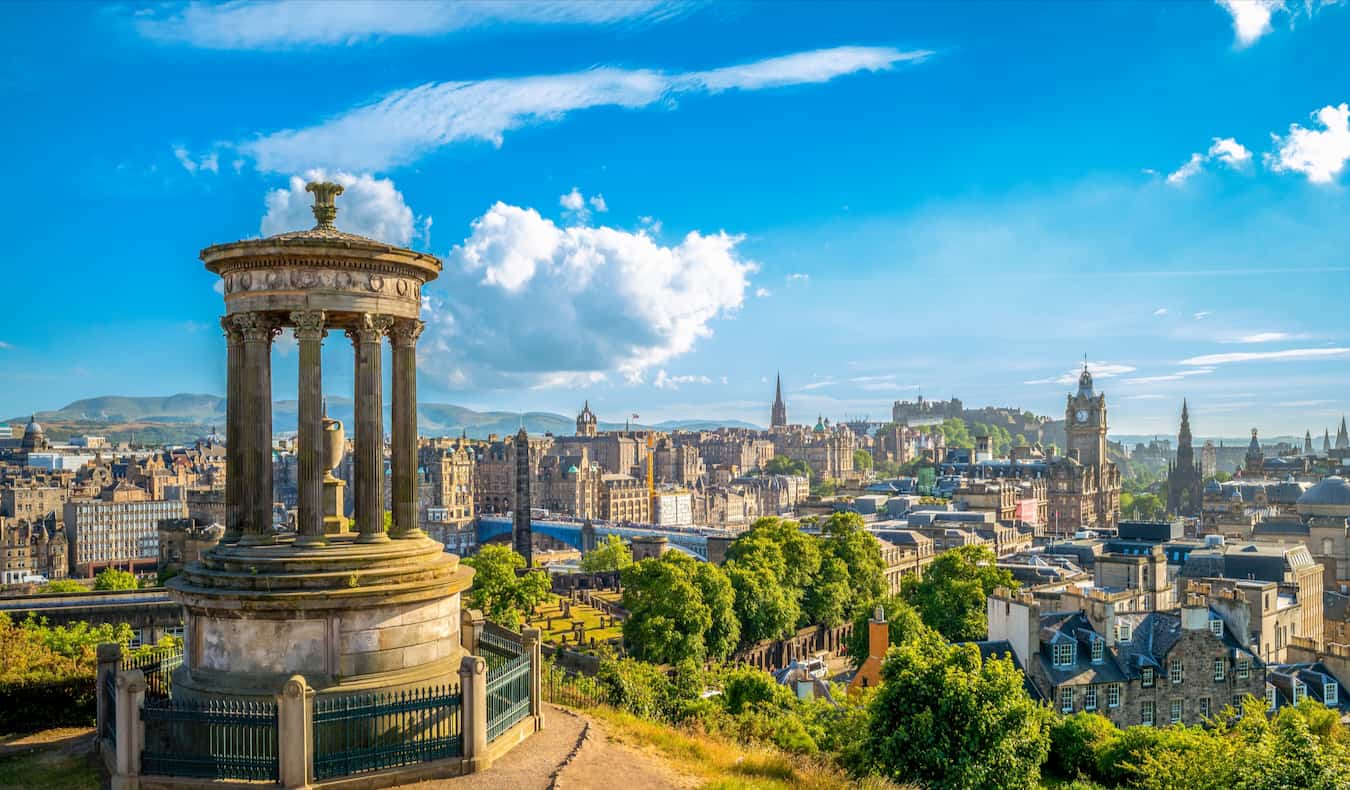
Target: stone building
x=494 y=471
x=568 y=484
x=1184 y=475
x=32 y=548
x=121 y=529
x=448 y=471
x=31 y=501
x=678 y=464
x=1083 y=485
x=924 y=412
x=827 y=449
x=1151 y=668
x=185 y=540
x=624 y=498
x=737 y=448
x=1289 y=565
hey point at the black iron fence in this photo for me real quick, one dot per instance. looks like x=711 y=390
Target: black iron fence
x=220 y=739
x=360 y=733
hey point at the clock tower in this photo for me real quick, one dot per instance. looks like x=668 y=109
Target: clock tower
x=1085 y=423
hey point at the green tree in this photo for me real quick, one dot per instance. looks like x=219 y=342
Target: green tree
x=862 y=460
x=667 y=619
x=114 y=579
x=771 y=565
x=765 y=607
x=951 y=595
x=844 y=536
x=829 y=599
x=782 y=465
x=504 y=595
x=725 y=630
x=611 y=554
x=63 y=586
x=947 y=719
x=903 y=625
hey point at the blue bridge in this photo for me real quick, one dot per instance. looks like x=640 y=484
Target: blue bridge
x=690 y=540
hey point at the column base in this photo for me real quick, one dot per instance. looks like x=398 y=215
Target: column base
x=257 y=540
x=415 y=533
x=375 y=537
x=311 y=540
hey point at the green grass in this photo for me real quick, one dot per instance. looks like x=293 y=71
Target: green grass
x=48 y=770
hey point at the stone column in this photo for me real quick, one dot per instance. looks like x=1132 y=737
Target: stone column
x=295 y=733
x=530 y=640
x=403 y=338
x=109 y=658
x=234 y=408
x=368 y=458
x=309 y=331
x=255 y=427
x=473 y=709
x=130 y=734
x=471 y=623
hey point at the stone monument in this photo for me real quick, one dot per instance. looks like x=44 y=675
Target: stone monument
x=349 y=610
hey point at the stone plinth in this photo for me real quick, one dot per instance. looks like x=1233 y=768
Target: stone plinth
x=348 y=617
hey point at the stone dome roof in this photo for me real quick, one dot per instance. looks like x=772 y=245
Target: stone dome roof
x=33 y=429
x=1332 y=491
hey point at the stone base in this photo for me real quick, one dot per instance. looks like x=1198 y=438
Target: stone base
x=348 y=617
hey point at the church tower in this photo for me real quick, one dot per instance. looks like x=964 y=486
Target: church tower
x=1255 y=457
x=1085 y=423
x=1184 y=477
x=586 y=421
x=778 y=418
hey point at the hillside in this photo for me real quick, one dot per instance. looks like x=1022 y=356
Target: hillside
x=183 y=418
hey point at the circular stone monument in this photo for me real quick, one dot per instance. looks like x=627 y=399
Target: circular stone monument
x=360 y=610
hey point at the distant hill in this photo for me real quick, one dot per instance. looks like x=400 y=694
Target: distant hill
x=183 y=418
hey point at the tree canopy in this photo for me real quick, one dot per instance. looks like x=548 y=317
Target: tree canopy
x=948 y=719
x=114 y=579
x=63 y=586
x=952 y=594
x=679 y=609
x=504 y=595
x=610 y=554
x=903 y=623
x=782 y=465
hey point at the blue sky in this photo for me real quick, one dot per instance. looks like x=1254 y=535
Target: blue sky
x=657 y=205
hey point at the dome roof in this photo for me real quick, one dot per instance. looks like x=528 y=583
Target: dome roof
x=33 y=429
x=1333 y=490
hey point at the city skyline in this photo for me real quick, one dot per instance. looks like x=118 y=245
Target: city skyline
x=878 y=203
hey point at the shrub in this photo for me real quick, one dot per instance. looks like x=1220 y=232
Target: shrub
x=1075 y=742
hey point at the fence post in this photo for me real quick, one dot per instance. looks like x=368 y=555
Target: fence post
x=109 y=657
x=295 y=733
x=130 y=733
x=529 y=638
x=470 y=628
x=474 y=710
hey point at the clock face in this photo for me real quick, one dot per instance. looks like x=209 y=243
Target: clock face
x=1082 y=415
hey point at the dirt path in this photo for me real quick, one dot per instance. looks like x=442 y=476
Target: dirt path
x=603 y=762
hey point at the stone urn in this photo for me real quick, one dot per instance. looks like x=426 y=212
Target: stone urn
x=334 y=444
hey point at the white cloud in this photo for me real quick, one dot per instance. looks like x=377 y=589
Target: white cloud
x=665 y=382
x=654 y=225
x=1251 y=18
x=523 y=301
x=368 y=206
x=1177 y=376
x=1202 y=315
x=763 y=293
x=815 y=385
x=1160 y=311
x=573 y=201
x=1224 y=149
x=406 y=124
x=1319 y=155
x=210 y=163
x=268 y=24
x=1100 y=370
x=1263 y=337
x=4 y=345
x=577 y=207
x=598 y=203
x=1260 y=356
x=797 y=277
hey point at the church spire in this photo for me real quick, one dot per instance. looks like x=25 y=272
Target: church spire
x=778 y=415
x=1342 y=438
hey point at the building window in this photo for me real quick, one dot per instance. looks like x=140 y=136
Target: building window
x=1146 y=713
x=1220 y=669
x=1175 y=671
x=1090 y=698
x=1113 y=695
x=1063 y=654
x=1146 y=677
x=1098 y=649
x=1216 y=628
x=1270 y=697
x=1176 y=711
x=1204 y=707
x=1300 y=691
x=1066 y=699
x=1244 y=669
x=1330 y=693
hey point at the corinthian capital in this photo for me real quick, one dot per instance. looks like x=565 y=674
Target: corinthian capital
x=405 y=332
x=232 y=334
x=370 y=327
x=256 y=327
x=309 y=324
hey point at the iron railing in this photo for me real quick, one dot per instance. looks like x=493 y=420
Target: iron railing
x=158 y=665
x=369 y=732
x=496 y=649
x=571 y=690
x=508 y=694
x=220 y=739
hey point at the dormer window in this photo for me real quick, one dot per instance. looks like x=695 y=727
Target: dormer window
x=1098 y=650
x=1300 y=691
x=1330 y=693
x=1270 y=697
x=1244 y=668
x=1146 y=676
x=1216 y=628
x=1123 y=631
x=1064 y=654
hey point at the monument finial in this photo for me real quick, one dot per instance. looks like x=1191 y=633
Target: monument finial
x=325 y=193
